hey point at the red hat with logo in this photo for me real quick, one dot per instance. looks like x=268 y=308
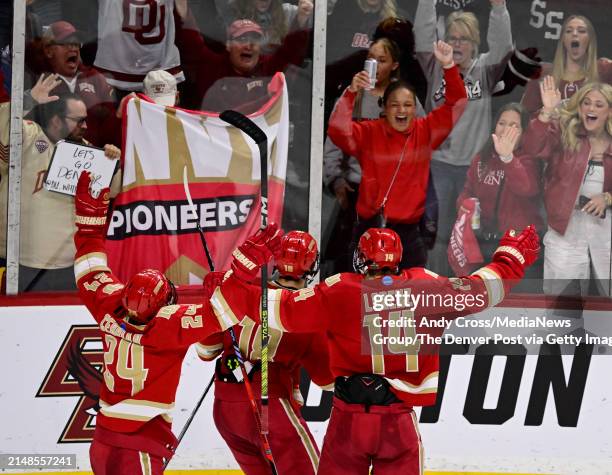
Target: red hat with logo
x=240 y=27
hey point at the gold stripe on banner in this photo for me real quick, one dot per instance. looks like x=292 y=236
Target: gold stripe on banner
x=241 y=164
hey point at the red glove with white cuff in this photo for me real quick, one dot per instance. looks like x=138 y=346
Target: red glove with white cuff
x=521 y=250
x=212 y=280
x=255 y=252
x=90 y=212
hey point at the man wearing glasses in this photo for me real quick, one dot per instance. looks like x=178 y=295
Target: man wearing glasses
x=46 y=254
x=481 y=72
x=238 y=77
x=62 y=56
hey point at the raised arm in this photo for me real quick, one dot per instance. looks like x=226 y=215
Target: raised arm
x=346 y=133
x=487 y=286
x=195 y=54
x=499 y=39
x=99 y=289
x=542 y=138
x=441 y=120
x=293 y=51
x=522 y=175
x=425 y=36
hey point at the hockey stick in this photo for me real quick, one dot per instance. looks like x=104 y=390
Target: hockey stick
x=194 y=211
x=245 y=124
x=267 y=451
x=190 y=420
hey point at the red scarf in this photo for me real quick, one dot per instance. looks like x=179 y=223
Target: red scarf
x=463 y=250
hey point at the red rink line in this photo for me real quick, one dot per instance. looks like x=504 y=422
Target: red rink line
x=192 y=294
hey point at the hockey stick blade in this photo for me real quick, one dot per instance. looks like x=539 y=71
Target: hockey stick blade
x=245 y=124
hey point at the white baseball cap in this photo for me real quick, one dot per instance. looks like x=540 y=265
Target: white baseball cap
x=160 y=86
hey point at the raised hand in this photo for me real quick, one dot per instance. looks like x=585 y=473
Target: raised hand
x=112 y=152
x=443 y=53
x=212 y=280
x=551 y=97
x=304 y=12
x=255 y=252
x=119 y=112
x=520 y=250
x=506 y=143
x=90 y=212
x=361 y=80
x=42 y=88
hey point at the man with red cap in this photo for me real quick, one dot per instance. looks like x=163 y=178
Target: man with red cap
x=145 y=337
x=293 y=447
x=62 y=56
x=382 y=368
x=237 y=78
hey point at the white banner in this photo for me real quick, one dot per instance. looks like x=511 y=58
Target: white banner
x=518 y=413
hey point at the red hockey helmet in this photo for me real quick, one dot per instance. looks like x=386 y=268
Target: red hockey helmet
x=145 y=293
x=378 y=248
x=299 y=256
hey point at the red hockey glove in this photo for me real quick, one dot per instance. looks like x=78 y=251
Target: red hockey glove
x=255 y=252
x=212 y=280
x=519 y=250
x=90 y=212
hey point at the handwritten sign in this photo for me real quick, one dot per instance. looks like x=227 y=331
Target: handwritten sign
x=70 y=159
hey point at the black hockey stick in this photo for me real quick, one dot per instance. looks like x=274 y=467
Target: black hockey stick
x=267 y=451
x=194 y=211
x=245 y=124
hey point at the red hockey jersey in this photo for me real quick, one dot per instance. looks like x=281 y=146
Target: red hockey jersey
x=142 y=364
x=341 y=307
x=286 y=353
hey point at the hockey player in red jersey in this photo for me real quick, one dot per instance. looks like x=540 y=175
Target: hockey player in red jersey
x=377 y=385
x=292 y=444
x=145 y=338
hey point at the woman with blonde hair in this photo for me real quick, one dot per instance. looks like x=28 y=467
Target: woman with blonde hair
x=576 y=144
x=480 y=73
x=574 y=65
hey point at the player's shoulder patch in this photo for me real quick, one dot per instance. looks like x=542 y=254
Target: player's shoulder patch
x=303 y=294
x=333 y=279
x=431 y=273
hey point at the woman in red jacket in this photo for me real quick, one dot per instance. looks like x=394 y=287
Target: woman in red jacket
x=577 y=147
x=505 y=181
x=395 y=152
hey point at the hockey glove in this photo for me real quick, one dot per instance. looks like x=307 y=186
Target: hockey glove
x=521 y=250
x=255 y=252
x=212 y=280
x=90 y=212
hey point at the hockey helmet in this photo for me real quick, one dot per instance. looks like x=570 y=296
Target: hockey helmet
x=378 y=249
x=298 y=257
x=145 y=293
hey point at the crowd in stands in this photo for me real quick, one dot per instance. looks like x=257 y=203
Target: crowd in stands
x=518 y=133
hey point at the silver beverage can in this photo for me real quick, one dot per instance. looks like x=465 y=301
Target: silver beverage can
x=370 y=66
x=476 y=216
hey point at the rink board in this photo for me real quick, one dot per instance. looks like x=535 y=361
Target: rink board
x=493 y=436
